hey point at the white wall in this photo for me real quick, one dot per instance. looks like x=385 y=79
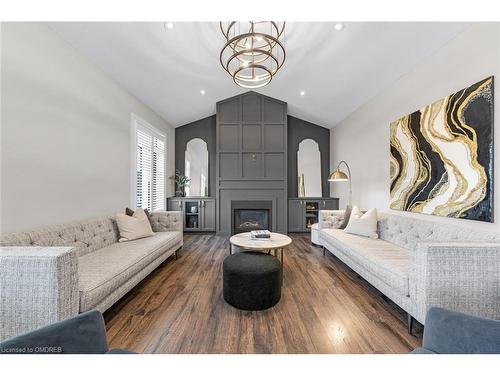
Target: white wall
x=65 y=130
x=363 y=138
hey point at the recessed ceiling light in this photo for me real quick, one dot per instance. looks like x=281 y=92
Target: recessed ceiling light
x=169 y=25
x=302 y=93
x=339 y=26
x=202 y=92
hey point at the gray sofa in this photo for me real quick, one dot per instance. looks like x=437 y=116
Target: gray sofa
x=49 y=274
x=82 y=334
x=450 y=332
x=420 y=263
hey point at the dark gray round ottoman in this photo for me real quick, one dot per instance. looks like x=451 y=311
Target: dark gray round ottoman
x=252 y=280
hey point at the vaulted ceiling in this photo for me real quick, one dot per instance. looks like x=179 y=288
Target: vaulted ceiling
x=338 y=71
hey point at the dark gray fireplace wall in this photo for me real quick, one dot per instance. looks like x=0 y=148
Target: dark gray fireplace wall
x=251 y=155
x=204 y=129
x=298 y=130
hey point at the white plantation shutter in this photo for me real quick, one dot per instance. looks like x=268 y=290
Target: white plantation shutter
x=158 y=196
x=149 y=183
x=144 y=164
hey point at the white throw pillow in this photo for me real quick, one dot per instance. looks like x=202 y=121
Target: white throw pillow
x=133 y=227
x=363 y=224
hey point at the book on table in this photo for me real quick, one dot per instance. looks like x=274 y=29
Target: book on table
x=260 y=234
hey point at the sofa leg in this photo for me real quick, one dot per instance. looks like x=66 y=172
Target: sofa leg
x=324 y=251
x=410 y=324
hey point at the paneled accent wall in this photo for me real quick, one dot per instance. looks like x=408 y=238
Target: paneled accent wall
x=251 y=155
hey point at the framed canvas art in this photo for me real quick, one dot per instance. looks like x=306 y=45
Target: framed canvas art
x=441 y=160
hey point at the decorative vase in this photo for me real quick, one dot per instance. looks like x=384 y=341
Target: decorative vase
x=179 y=193
x=301 y=188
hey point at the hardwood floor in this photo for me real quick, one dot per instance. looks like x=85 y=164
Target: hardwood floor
x=325 y=308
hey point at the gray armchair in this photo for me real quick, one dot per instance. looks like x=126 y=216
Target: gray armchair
x=82 y=334
x=450 y=332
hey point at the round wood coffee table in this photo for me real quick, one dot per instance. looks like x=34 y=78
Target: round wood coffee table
x=276 y=243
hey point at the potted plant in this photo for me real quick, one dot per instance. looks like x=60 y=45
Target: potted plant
x=181 y=181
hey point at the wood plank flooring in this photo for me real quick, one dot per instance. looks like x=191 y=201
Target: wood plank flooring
x=325 y=308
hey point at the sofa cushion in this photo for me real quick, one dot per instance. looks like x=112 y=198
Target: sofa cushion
x=130 y=212
x=133 y=227
x=363 y=224
x=347 y=216
x=103 y=270
x=383 y=259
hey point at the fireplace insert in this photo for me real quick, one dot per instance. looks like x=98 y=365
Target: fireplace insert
x=246 y=220
x=248 y=215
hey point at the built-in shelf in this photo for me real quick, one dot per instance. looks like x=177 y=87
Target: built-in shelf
x=203 y=220
x=304 y=212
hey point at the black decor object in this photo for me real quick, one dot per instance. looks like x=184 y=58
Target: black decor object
x=252 y=280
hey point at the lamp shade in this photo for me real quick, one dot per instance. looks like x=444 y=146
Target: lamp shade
x=338 y=175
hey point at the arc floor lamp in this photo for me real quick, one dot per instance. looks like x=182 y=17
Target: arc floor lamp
x=338 y=176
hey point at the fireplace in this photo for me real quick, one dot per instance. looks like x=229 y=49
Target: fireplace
x=251 y=215
x=246 y=220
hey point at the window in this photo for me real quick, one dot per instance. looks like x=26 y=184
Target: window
x=148 y=180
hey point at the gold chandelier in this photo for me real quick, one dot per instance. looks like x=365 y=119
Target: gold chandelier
x=253 y=51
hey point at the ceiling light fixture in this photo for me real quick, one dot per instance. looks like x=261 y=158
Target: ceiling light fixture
x=169 y=25
x=202 y=92
x=302 y=93
x=339 y=26
x=253 y=52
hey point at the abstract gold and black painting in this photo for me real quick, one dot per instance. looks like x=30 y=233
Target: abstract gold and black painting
x=441 y=159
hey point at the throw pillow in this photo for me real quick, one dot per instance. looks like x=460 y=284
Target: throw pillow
x=347 y=216
x=334 y=221
x=133 y=227
x=363 y=224
x=130 y=212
